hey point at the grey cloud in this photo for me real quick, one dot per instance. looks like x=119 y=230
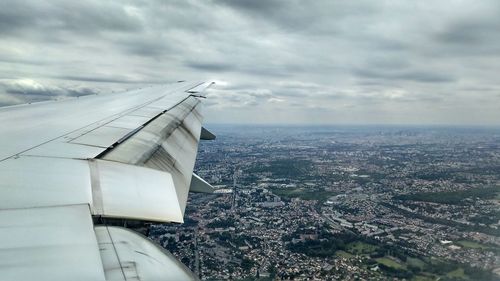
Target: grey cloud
x=255 y=6
x=16 y=15
x=422 y=76
x=410 y=75
x=364 y=59
x=26 y=90
x=80 y=92
x=105 y=79
x=293 y=93
x=109 y=16
x=28 y=87
x=318 y=17
x=23 y=61
x=275 y=11
x=74 y=16
x=7 y=100
x=481 y=89
x=212 y=67
x=148 y=48
x=264 y=69
x=465 y=33
x=388 y=63
x=470 y=31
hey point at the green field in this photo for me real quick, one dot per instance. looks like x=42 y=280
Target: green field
x=343 y=254
x=424 y=278
x=361 y=248
x=390 y=263
x=457 y=273
x=415 y=262
x=473 y=245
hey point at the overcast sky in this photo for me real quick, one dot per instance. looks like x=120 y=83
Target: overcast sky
x=321 y=62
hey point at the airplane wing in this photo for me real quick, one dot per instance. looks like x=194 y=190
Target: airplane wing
x=66 y=165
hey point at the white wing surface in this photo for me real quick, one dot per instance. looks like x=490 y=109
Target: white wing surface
x=66 y=163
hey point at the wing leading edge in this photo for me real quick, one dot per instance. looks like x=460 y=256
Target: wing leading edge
x=126 y=156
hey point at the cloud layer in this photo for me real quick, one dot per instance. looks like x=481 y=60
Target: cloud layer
x=418 y=62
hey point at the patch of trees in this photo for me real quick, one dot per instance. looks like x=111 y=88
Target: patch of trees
x=487 y=218
x=390 y=250
x=318 y=248
x=222 y=223
x=190 y=222
x=223 y=206
x=396 y=272
x=246 y=264
x=451 y=197
x=324 y=246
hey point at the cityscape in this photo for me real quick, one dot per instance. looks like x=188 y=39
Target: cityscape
x=343 y=203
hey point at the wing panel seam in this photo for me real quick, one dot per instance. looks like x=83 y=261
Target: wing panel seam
x=97 y=200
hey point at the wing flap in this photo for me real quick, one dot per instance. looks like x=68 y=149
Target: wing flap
x=111 y=189
x=133 y=192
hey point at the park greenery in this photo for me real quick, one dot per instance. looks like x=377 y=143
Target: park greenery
x=285 y=168
x=452 y=197
x=389 y=259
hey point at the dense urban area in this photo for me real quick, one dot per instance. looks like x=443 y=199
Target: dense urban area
x=343 y=203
